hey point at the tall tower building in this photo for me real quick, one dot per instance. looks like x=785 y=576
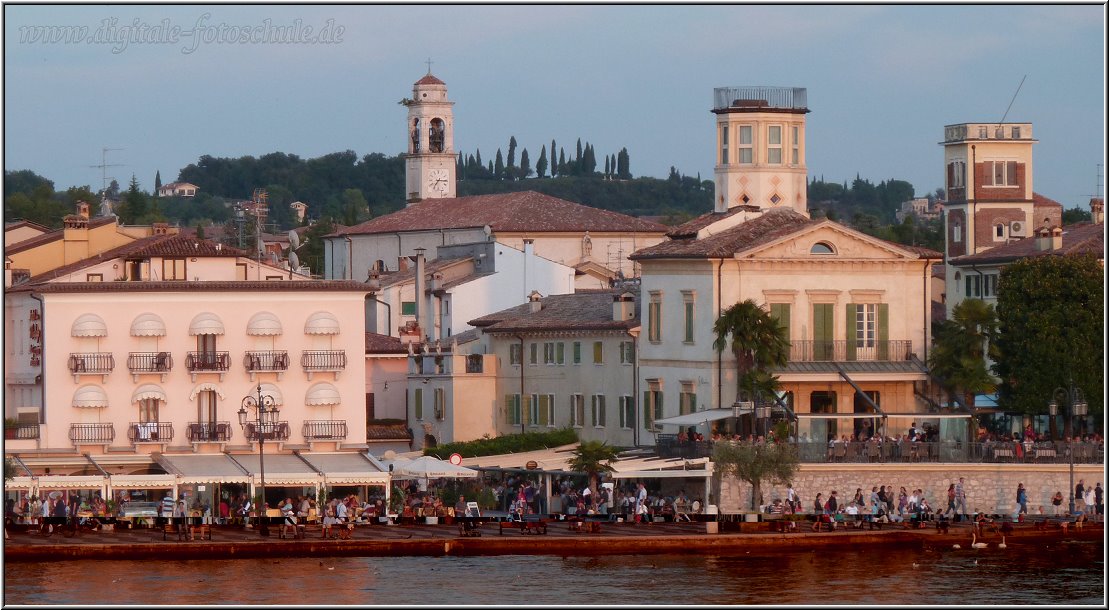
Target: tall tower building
x=760 y=148
x=430 y=162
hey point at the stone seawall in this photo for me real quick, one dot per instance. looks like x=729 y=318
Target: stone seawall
x=990 y=488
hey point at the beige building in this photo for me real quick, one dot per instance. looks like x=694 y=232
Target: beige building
x=178 y=189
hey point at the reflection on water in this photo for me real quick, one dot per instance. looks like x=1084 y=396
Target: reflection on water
x=1065 y=573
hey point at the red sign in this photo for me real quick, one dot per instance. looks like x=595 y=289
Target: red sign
x=456 y=459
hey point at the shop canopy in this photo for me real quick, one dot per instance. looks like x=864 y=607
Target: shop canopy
x=143 y=481
x=202 y=469
x=346 y=468
x=699 y=417
x=281 y=469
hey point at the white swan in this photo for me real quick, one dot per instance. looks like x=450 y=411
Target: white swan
x=956 y=546
x=1002 y=545
x=974 y=544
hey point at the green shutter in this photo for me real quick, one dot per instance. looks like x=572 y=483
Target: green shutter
x=658 y=405
x=780 y=312
x=646 y=408
x=883 y=331
x=577 y=352
x=508 y=409
x=560 y=353
x=418 y=398
x=852 y=331
x=543 y=402
x=823 y=331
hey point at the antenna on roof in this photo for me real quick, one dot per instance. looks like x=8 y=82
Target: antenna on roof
x=104 y=165
x=1012 y=100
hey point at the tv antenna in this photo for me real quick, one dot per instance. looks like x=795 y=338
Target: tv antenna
x=1012 y=100
x=104 y=165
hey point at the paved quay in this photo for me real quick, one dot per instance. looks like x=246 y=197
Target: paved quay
x=438 y=540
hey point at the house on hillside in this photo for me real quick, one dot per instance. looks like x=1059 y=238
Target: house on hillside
x=178 y=189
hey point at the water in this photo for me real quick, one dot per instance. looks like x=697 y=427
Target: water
x=1063 y=573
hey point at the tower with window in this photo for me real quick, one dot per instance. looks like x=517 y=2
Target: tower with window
x=760 y=148
x=430 y=161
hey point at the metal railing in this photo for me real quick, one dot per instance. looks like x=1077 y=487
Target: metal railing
x=667 y=445
x=849 y=351
x=324 y=360
x=91 y=433
x=22 y=432
x=475 y=363
x=207 y=361
x=149 y=362
x=200 y=432
x=324 y=429
x=91 y=362
x=760 y=97
x=273 y=360
x=149 y=432
x=277 y=431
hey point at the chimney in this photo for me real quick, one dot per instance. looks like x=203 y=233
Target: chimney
x=534 y=301
x=1043 y=239
x=402 y=263
x=83 y=209
x=160 y=228
x=1097 y=206
x=623 y=307
x=1056 y=238
x=421 y=307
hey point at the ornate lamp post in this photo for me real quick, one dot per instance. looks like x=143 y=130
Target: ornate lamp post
x=265 y=424
x=1072 y=395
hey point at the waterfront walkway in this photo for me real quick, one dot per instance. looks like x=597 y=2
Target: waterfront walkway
x=436 y=540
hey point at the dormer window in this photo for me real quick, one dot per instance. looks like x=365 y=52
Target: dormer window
x=999 y=230
x=821 y=247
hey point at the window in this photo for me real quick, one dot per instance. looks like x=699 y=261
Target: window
x=627 y=352
x=515 y=353
x=577 y=352
x=408 y=308
x=627 y=412
x=1016 y=132
x=687 y=310
x=780 y=313
x=532 y=407
x=983 y=132
x=654 y=318
x=206 y=344
x=999 y=230
x=577 y=410
x=989 y=285
x=418 y=403
x=956 y=233
x=687 y=399
x=548 y=353
x=746 y=151
x=206 y=407
x=274 y=278
x=956 y=174
x=546 y=410
x=533 y=355
x=652 y=403
x=598 y=410
x=974 y=286
x=512 y=409
x=94 y=277
x=440 y=400
x=724 y=145
x=821 y=248
x=774 y=144
x=796 y=141
x=598 y=352
x=999 y=173
x=866 y=316
x=148 y=410
x=173 y=269
x=560 y=353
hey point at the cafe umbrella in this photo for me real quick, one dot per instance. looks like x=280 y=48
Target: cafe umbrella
x=428 y=467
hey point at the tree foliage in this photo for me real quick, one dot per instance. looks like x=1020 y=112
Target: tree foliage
x=593 y=458
x=758 y=344
x=508 y=443
x=1051 y=325
x=754 y=463
x=960 y=347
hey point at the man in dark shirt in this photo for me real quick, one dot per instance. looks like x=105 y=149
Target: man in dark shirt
x=1079 y=494
x=1098 y=499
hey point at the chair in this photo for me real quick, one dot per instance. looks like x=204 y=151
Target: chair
x=873 y=451
x=161 y=362
x=839 y=452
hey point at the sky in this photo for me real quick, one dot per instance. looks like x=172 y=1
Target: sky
x=882 y=82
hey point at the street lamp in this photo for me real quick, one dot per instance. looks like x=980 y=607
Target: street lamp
x=265 y=423
x=1072 y=395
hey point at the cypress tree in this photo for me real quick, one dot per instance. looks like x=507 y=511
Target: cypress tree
x=157 y=182
x=590 y=162
x=478 y=158
x=498 y=167
x=511 y=154
x=490 y=169
x=562 y=161
x=541 y=164
x=623 y=163
x=606 y=167
x=554 y=161
x=525 y=165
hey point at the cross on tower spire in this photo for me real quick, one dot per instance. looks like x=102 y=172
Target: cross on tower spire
x=428 y=62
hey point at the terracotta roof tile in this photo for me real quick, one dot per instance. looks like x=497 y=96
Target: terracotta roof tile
x=690 y=228
x=428 y=79
x=387 y=432
x=384 y=344
x=154 y=245
x=1081 y=238
x=755 y=232
x=215 y=286
x=513 y=212
x=582 y=311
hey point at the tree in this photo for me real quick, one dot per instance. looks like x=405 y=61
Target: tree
x=1050 y=313
x=561 y=162
x=754 y=463
x=593 y=458
x=157 y=182
x=1075 y=216
x=511 y=156
x=135 y=206
x=589 y=163
x=757 y=342
x=960 y=347
x=498 y=167
x=200 y=230
x=554 y=160
x=311 y=253
x=607 y=167
x=623 y=171
x=355 y=207
x=525 y=165
x=541 y=164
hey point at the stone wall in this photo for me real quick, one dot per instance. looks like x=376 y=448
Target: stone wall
x=991 y=488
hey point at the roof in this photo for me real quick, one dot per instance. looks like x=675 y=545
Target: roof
x=384 y=344
x=409 y=274
x=15 y=224
x=214 y=286
x=690 y=228
x=387 y=432
x=178 y=184
x=428 y=79
x=524 y=211
x=1039 y=201
x=155 y=245
x=582 y=311
x=1081 y=238
x=55 y=235
x=860 y=366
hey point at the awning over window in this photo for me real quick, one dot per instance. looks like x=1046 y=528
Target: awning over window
x=90 y=396
x=205 y=387
x=263 y=323
x=148 y=390
x=89 y=325
x=206 y=323
x=212 y=468
x=322 y=394
x=321 y=323
x=148 y=325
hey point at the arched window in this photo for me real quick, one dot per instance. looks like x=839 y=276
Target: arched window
x=435 y=136
x=999 y=230
x=821 y=247
x=416 y=135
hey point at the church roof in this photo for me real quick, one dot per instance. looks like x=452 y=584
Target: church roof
x=430 y=80
x=525 y=211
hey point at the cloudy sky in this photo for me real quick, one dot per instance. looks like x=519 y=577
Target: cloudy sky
x=882 y=82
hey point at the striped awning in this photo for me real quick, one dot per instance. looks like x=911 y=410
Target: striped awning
x=143 y=481
x=148 y=390
x=90 y=396
x=72 y=482
x=322 y=394
x=205 y=387
x=89 y=325
x=281 y=469
x=322 y=323
x=346 y=468
x=206 y=323
x=148 y=325
x=263 y=323
x=211 y=468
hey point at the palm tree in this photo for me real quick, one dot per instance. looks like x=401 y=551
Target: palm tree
x=961 y=346
x=593 y=458
x=758 y=343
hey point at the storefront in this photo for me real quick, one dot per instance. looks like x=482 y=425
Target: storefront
x=141 y=487
x=207 y=481
x=350 y=473
x=286 y=476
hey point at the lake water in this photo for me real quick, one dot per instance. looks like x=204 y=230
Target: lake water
x=1063 y=573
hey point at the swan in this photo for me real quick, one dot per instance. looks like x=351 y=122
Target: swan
x=956 y=546
x=1002 y=544
x=974 y=544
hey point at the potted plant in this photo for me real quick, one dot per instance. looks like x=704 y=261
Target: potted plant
x=11 y=428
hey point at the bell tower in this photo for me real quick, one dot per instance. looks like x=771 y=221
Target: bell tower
x=430 y=161
x=760 y=148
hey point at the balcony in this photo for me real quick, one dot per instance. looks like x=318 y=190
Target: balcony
x=273 y=361
x=91 y=363
x=323 y=361
x=21 y=432
x=158 y=363
x=208 y=432
x=80 y=434
x=150 y=432
x=322 y=430
x=207 y=362
x=848 y=351
x=277 y=431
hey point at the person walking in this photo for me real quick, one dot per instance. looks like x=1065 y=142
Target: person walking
x=1057 y=503
x=1080 y=496
x=960 y=499
x=1022 y=499
x=950 y=501
x=640 y=501
x=1099 y=497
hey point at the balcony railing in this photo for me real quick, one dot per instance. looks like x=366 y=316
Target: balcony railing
x=149 y=362
x=475 y=363
x=849 y=351
x=317 y=361
x=266 y=361
x=208 y=432
x=325 y=429
x=207 y=362
x=22 y=432
x=149 y=432
x=278 y=431
x=91 y=433
x=91 y=363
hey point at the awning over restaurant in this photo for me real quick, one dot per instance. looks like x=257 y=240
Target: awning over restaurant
x=923 y=416
x=143 y=481
x=281 y=469
x=346 y=468
x=699 y=417
x=72 y=482
x=27 y=483
x=216 y=468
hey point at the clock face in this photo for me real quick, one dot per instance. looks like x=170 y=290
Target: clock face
x=437 y=180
